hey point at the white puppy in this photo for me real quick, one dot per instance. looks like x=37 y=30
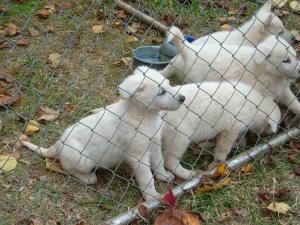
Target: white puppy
x=128 y=130
x=214 y=109
x=261 y=25
x=269 y=67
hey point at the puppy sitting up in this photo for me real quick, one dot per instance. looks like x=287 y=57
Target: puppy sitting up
x=128 y=131
x=214 y=109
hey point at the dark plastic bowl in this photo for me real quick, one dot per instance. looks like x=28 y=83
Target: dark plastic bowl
x=150 y=56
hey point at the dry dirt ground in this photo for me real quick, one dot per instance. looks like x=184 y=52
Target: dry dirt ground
x=86 y=77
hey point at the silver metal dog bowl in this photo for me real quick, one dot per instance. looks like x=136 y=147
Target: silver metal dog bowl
x=150 y=56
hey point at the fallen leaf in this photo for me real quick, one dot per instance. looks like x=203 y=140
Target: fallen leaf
x=43 y=13
x=297 y=170
x=279 y=207
x=226 y=26
x=54 y=166
x=6 y=100
x=295 y=5
x=101 y=14
x=32 y=127
x=121 y=14
x=7 y=163
x=11 y=30
x=123 y=61
x=169 y=199
x=296 y=34
x=68 y=107
x=54 y=59
x=173 y=216
x=6 y=75
x=23 y=42
x=281 y=192
x=292 y=158
x=50 y=28
x=247 y=169
x=209 y=187
x=2 y=39
x=279 y=3
x=50 y=7
x=97 y=29
x=241 y=212
x=293 y=143
x=222 y=170
x=45 y=113
x=143 y=211
x=130 y=39
x=133 y=28
x=224 y=217
x=226 y=20
x=67 y=5
x=34 y=32
x=4 y=45
x=190 y=219
x=72 y=41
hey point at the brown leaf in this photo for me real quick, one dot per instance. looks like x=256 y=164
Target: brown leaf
x=190 y=219
x=247 y=169
x=130 y=39
x=6 y=75
x=32 y=127
x=173 y=216
x=143 y=211
x=2 y=39
x=209 y=187
x=281 y=192
x=6 y=100
x=121 y=14
x=297 y=170
x=54 y=166
x=67 y=5
x=133 y=28
x=43 y=13
x=72 y=41
x=68 y=107
x=279 y=207
x=123 y=61
x=50 y=7
x=50 y=28
x=296 y=34
x=222 y=170
x=224 y=217
x=295 y=5
x=45 y=113
x=54 y=60
x=23 y=42
x=11 y=30
x=97 y=29
x=294 y=145
x=226 y=26
x=34 y=32
x=263 y=196
x=4 y=45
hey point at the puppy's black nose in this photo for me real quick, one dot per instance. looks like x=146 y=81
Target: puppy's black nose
x=181 y=98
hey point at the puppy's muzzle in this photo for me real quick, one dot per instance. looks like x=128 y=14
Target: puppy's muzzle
x=180 y=98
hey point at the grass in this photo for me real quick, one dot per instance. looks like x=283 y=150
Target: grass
x=87 y=79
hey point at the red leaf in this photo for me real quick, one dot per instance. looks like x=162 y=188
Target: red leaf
x=169 y=199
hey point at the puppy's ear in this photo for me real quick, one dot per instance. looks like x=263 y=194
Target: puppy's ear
x=267 y=6
x=263 y=51
x=130 y=86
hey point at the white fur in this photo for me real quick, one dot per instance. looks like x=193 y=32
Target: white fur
x=261 y=25
x=264 y=67
x=214 y=109
x=128 y=130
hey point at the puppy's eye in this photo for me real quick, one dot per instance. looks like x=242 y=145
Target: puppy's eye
x=161 y=91
x=287 y=60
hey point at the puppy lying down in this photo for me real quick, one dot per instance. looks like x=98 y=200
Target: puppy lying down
x=261 y=25
x=269 y=67
x=214 y=109
x=128 y=131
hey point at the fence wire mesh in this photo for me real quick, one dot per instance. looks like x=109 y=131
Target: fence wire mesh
x=61 y=59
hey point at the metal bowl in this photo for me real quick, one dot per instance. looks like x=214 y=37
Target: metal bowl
x=150 y=56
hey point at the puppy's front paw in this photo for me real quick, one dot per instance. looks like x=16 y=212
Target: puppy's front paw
x=166 y=176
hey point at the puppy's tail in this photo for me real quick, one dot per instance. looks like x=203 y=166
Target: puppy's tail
x=45 y=152
x=175 y=35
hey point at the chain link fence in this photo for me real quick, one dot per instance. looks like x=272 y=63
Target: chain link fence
x=61 y=59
